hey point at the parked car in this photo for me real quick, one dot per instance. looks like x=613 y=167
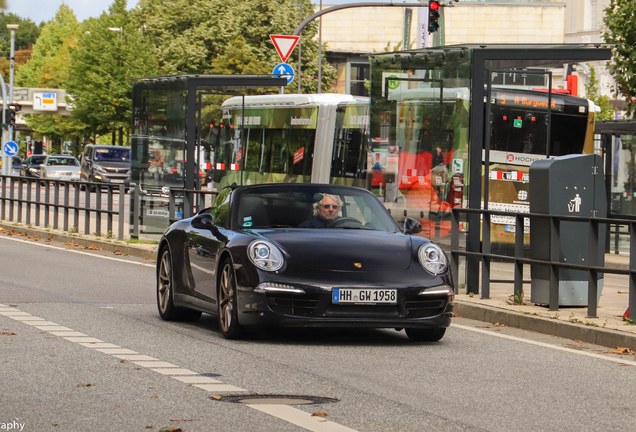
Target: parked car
x=106 y=164
x=60 y=167
x=31 y=166
x=253 y=259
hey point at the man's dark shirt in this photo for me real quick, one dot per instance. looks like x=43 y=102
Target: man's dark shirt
x=316 y=222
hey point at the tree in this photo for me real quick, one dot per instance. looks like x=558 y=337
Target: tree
x=49 y=68
x=592 y=93
x=27 y=33
x=103 y=64
x=620 y=18
x=188 y=35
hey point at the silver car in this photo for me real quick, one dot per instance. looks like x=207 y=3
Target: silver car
x=60 y=167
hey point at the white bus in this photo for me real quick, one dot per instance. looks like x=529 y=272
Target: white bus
x=295 y=138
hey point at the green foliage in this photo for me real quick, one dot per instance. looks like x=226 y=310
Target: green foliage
x=620 y=18
x=104 y=62
x=26 y=34
x=592 y=93
x=196 y=36
x=49 y=68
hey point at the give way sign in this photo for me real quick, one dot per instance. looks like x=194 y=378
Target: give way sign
x=284 y=45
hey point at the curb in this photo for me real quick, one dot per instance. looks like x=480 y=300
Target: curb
x=599 y=336
x=139 y=252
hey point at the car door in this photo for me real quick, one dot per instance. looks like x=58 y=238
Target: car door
x=85 y=166
x=204 y=245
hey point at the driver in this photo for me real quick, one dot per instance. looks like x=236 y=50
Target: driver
x=325 y=212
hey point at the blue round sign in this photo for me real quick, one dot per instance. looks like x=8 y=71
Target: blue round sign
x=10 y=148
x=284 y=71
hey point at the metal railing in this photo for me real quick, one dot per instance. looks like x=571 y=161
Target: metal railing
x=554 y=261
x=58 y=204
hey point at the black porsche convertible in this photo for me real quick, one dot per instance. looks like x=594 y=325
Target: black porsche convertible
x=303 y=255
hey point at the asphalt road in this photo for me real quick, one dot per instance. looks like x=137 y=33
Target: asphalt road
x=480 y=377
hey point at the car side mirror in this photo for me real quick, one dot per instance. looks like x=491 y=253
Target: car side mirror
x=203 y=221
x=412 y=226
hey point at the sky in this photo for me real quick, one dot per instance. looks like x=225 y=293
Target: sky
x=44 y=10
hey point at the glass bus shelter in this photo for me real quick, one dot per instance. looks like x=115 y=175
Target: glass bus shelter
x=172 y=126
x=429 y=137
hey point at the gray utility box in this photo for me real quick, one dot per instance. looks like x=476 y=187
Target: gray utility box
x=566 y=185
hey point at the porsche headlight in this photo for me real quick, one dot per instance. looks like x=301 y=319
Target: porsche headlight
x=265 y=255
x=432 y=258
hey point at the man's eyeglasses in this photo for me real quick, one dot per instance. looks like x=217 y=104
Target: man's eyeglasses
x=333 y=206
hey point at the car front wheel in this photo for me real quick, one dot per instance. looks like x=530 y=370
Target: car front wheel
x=227 y=304
x=425 y=335
x=165 y=293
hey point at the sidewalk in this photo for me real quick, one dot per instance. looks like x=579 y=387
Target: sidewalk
x=608 y=329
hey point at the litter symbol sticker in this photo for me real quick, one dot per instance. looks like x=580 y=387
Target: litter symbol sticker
x=574 y=206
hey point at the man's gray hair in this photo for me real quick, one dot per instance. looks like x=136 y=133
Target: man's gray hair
x=336 y=198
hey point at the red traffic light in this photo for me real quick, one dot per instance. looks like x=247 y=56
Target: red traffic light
x=433 y=5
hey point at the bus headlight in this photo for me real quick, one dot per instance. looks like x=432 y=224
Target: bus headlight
x=432 y=258
x=265 y=255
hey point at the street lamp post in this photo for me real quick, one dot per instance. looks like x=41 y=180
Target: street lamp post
x=300 y=9
x=120 y=30
x=121 y=38
x=320 y=52
x=13 y=28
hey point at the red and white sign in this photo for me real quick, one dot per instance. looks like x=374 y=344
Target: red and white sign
x=238 y=156
x=284 y=45
x=299 y=155
x=235 y=167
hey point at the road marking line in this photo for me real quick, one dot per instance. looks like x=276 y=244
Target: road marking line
x=99 y=345
x=39 y=323
x=132 y=357
x=156 y=364
x=301 y=418
x=117 y=351
x=546 y=345
x=6 y=309
x=80 y=252
x=66 y=333
x=82 y=339
x=53 y=328
x=14 y=313
x=196 y=379
x=218 y=387
x=24 y=319
x=173 y=371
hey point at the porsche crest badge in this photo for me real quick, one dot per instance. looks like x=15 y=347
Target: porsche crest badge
x=358 y=265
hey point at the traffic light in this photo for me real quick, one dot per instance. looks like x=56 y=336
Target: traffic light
x=433 y=15
x=10 y=117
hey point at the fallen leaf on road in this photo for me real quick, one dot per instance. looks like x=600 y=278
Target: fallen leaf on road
x=454 y=315
x=12 y=305
x=7 y=333
x=93 y=247
x=145 y=258
x=50 y=239
x=122 y=361
x=150 y=427
x=623 y=292
x=154 y=397
x=137 y=368
x=319 y=414
x=117 y=252
x=578 y=341
x=71 y=244
x=499 y=325
x=84 y=385
x=622 y=351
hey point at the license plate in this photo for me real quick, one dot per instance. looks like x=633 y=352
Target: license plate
x=116 y=181
x=65 y=177
x=364 y=296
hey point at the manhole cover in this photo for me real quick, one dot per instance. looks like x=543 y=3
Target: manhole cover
x=276 y=399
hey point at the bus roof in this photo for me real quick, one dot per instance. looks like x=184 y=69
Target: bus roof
x=292 y=99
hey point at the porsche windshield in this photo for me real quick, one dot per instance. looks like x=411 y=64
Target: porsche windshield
x=311 y=207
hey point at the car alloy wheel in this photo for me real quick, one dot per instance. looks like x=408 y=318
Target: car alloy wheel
x=228 y=316
x=165 y=293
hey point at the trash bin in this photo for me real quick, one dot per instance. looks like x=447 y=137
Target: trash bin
x=566 y=185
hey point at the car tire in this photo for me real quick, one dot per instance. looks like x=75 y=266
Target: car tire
x=425 y=335
x=227 y=303
x=165 y=293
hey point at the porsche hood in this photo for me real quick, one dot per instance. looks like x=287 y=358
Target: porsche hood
x=344 y=250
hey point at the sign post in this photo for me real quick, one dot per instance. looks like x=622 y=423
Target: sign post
x=284 y=45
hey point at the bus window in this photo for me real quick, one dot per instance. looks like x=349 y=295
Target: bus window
x=349 y=159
